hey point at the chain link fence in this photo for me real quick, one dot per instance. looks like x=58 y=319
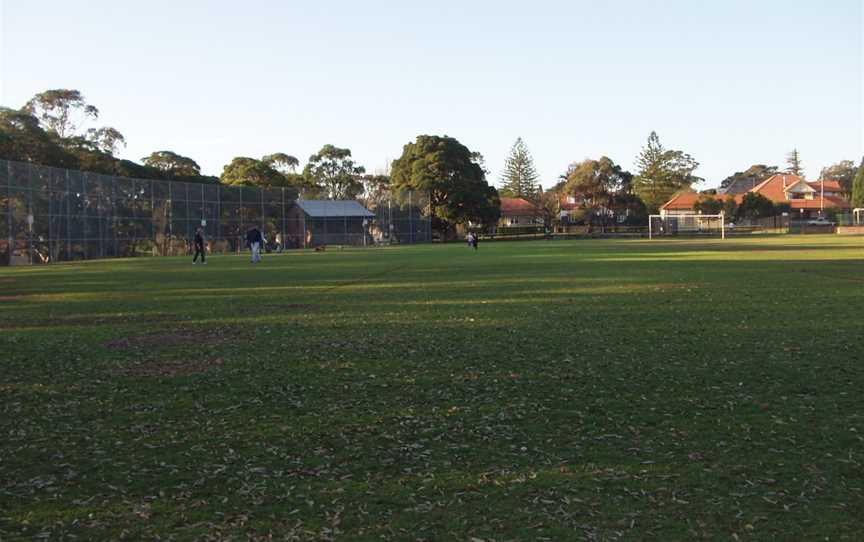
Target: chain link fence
x=51 y=215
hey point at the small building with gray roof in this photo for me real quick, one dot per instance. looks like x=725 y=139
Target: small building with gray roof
x=314 y=223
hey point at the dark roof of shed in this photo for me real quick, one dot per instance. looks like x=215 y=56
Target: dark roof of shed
x=320 y=208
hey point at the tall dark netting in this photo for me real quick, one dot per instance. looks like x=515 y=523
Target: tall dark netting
x=53 y=215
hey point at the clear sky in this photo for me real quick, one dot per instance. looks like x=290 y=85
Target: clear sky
x=732 y=82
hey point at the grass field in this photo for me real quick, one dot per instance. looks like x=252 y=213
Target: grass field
x=586 y=390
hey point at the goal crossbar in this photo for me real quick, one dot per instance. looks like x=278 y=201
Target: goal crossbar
x=686 y=223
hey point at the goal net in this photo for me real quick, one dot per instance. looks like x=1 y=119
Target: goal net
x=686 y=224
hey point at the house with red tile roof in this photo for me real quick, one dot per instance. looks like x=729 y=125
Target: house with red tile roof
x=805 y=199
x=519 y=212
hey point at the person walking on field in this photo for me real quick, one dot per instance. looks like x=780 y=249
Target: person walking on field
x=254 y=239
x=199 y=247
x=472 y=240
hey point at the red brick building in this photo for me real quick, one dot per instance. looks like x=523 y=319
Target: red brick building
x=805 y=199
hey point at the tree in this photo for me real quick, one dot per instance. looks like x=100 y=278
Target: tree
x=549 y=202
x=106 y=139
x=708 y=205
x=88 y=156
x=172 y=164
x=23 y=140
x=374 y=186
x=755 y=205
x=730 y=209
x=245 y=171
x=61 y=110
x=595 y=183
x=452 y=176
x=519 y=178
x=858 y=188
x=793 y=161
x=843 y=172
x=662 y=173
x=281 y=162
x=335 y=172
x=754 y=175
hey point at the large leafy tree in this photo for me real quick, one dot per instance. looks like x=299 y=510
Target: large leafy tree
x=281 y=162
x=595 y=183
x=335 y=172
x=858 y=187
x=519 y=177
x=88 y=155
x=755 y=205
x=61 y=111
x=23 y=140
x=375 y=186
x=709 y=205
x=793 y=163
x=453 y=178
x=755 y=174
x=730 y=208
x=271 y=171
x=106 y=139
x=245 y=171
x=662 y=173
x=549 y=204
x=173 y=165
x=49 y=131
x=843 y=172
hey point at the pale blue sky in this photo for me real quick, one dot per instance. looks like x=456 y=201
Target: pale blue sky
x=731 y=82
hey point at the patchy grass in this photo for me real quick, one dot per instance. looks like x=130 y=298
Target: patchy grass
x=587 y=390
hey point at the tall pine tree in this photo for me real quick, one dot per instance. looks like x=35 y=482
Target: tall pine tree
x=662 y=172
x=793 y=160
x=519 y=178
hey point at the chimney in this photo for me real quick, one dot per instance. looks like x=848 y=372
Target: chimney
x=784 y=182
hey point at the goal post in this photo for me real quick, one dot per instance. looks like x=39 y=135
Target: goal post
x=686 y=224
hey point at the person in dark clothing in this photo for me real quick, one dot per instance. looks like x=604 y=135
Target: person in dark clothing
x=199 y=247
x=254 y=239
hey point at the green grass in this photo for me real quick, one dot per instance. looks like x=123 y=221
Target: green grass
x=587 y=390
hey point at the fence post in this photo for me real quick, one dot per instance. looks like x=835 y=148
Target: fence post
x=66 y=199
x=410 y=217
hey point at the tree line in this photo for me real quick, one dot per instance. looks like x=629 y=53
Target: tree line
x=54 y=128
x=602 y=189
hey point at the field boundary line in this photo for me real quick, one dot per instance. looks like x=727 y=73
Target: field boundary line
x=364 y=278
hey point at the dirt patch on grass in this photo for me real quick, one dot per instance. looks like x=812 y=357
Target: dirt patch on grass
x=167 y=369
x=162 y=339
x=287 y=308
x=80 y=320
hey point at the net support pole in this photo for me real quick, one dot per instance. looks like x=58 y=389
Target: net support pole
x=650 y=231
x=722 y=225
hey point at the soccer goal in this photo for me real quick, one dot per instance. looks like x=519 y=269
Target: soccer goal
x=686 y=224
